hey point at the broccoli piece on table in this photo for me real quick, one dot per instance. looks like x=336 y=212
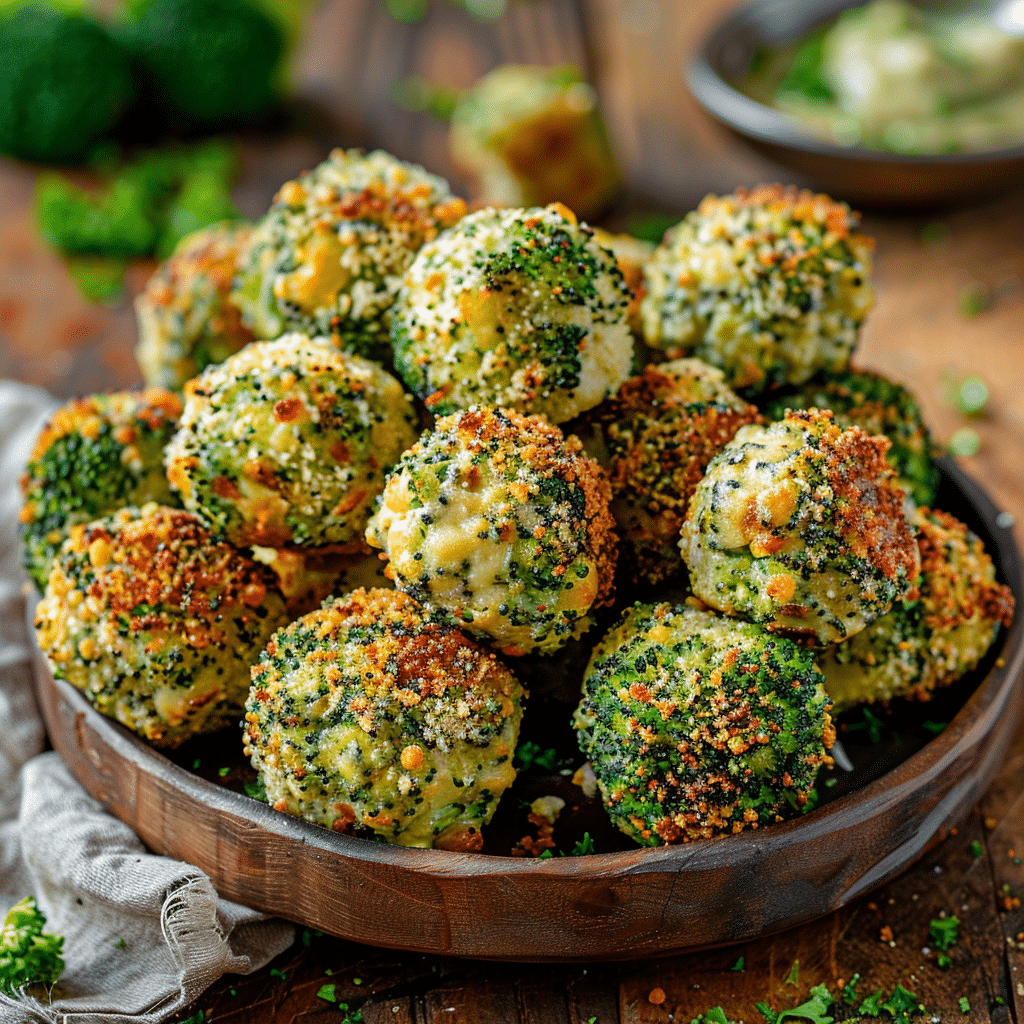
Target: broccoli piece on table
x=63 y=83
x=208 y=61
x=27 y=956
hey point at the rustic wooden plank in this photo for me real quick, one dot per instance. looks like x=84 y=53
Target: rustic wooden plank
x=476 y=1002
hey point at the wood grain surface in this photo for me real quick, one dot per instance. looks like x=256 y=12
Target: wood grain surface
x=920 y=332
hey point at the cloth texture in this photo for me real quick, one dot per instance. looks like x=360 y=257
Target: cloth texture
x=143 y=935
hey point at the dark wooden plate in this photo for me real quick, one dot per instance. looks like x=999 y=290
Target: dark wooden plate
x=628 y=904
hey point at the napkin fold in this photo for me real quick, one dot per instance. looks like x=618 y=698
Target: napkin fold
x=144 y=935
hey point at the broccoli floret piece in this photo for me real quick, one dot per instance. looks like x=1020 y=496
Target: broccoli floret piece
x=63 y=83
x=207 y=61
x=27 y=956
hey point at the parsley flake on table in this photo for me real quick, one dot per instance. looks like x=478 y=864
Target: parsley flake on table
x=944 y=931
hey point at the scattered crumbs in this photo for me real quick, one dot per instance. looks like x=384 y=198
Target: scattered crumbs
x=954 y=831
x=1005 y=520
x=990 y=823
x=223 y=772
x=937 y=869
x=892 y=901
x=972 y=396
x=656 y=996
x=915 y=897
x=976 y=848
x=1020 y=989
x=926 y=950
x=964 y=442
x=885 y=935
x=872 y=906
x=965 y=1006
x=975 y=299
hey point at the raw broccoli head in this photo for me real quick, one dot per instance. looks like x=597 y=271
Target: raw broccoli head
x=63 y=83
x=27 y=956
x=208 y=61
x=698 y=725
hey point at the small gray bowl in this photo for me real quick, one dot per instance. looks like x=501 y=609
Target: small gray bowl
x=862 y=176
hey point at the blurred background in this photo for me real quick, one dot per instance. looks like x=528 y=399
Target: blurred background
x=131 y=122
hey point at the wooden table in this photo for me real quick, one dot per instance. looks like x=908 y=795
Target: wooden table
x=918 y=334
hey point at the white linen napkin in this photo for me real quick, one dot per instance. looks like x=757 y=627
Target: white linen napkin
x=143 y=935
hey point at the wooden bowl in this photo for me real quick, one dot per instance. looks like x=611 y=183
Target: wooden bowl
x=864 y=177
x=633 y=904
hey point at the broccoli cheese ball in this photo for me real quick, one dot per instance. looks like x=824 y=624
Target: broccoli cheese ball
x=868 y=400
x=931 y=642
x=95 y=455
x=156 y=622
x=187 y=320
x=661 y=431
x=373 y=713
x=328 y=256
x=530 y=135
x=631 y=254
x=800 y=525
x=503 y=523
x=698 y=725
x=514 y=308
x=771 y=285
x=287 y=443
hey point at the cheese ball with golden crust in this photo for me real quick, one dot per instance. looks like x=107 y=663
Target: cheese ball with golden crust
x=931 y=642
x=527 y=136
x=503 y=523
x=287 y=444
x=661 y=430
x=157 y=623
x=868 y=400
x=187 y=320
x=771 y=285
x=95 y=455
x=329 y=255
x=372 y=713
x=698 y=725
x=520 y=309
x=801 y=526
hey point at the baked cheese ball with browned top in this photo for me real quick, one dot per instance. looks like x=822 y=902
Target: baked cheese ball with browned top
x=374 y=713
x=287 y=444
x=801 y=526
x=697 y=725
x=501 y=522
x=187 y=320
x=930 y=642
x=517 y=309
x=770 y=284
x=95 y=455
x=661 y=430
x=329 y=255
x=156 y=622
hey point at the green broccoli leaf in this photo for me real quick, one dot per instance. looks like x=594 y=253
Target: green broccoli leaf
x=944 y=931
x=27 y=956
x=814 y=1009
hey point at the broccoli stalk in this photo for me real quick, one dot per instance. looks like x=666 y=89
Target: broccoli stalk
x=27 y=956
